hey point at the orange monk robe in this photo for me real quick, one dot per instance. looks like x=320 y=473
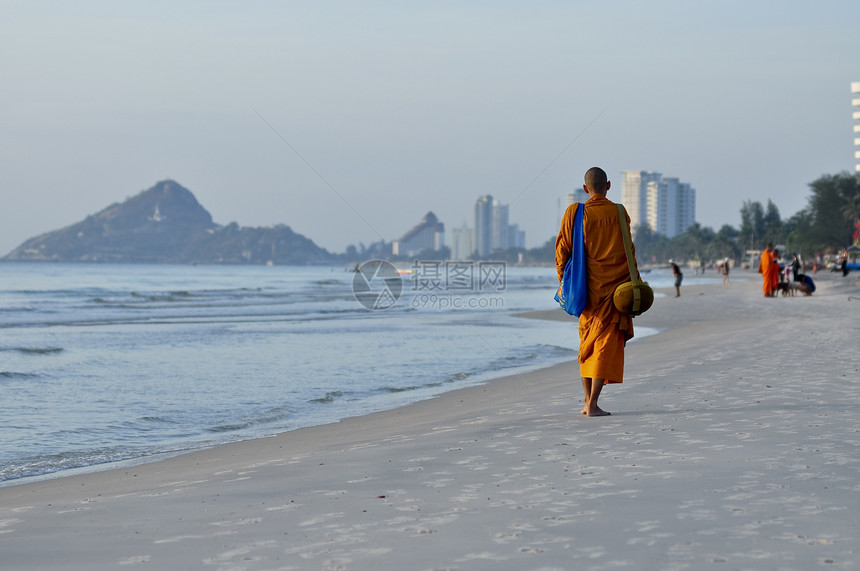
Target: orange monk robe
x=769 y=272
x=774 y=278
x=603 y=330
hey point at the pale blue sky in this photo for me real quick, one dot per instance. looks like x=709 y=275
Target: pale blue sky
x=405 y=107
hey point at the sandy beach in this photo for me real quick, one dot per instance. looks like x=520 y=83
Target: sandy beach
x=734 y=443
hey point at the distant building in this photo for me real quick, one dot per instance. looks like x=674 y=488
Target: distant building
x=500 y=226
x=484 y=225
x=429 y=234
x=635 y=194
x=667 y=206
x=675 y=207
x=855 y=102
x=516 y=237
x=493 y=230
x=462 y=242
x=578 y=195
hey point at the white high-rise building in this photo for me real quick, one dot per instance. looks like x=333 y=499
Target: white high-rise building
x=671 y=207
x=462 y=242
x=667 y=206
x=484 y=225
x=635 y=192
x=855 y=102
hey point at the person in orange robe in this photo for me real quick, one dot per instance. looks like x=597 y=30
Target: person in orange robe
x=775 y=277
x=603 y=330
x=769 y=270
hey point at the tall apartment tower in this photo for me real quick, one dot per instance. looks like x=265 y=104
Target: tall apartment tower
x=671 y=207
x=666 y=205
x=686 y=207
x=855 y=102
x=500 y=226
x=493 y=230
x=484 y=225
x=635 y=195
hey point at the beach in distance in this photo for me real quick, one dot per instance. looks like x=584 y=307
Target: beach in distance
x=734 y=443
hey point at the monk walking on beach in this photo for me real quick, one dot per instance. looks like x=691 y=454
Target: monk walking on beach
x=603 y=330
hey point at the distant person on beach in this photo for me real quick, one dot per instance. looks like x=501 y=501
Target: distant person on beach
x=774 y=286
x=795 y=267
x=603 y=330
x=726 y=266
x=676 y=271
x=807 y=286
x=769 y=270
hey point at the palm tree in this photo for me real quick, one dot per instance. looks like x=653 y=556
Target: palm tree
x=851 y=209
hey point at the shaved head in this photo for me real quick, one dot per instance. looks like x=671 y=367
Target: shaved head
x=595 y=180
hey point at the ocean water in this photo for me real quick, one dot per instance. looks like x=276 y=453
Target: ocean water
x=111 y=363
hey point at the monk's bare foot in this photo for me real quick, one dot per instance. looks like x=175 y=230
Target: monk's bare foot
x=597 y=411
x=584 y=410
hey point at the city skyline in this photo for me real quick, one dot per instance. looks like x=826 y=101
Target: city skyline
x=663 y=203
x=492 y=232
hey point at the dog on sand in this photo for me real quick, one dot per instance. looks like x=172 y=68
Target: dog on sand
x=790 y=288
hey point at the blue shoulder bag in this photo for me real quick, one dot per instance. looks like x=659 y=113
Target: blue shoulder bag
x=572 y=293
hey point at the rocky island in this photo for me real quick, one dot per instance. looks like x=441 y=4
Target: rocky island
x=166 y=224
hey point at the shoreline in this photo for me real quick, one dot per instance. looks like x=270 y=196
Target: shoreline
x=540 y=315
x=717 y=451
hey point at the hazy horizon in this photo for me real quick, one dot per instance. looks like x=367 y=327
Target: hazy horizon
x=349 y=122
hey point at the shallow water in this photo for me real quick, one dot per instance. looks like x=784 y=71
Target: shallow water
x=104 y=363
